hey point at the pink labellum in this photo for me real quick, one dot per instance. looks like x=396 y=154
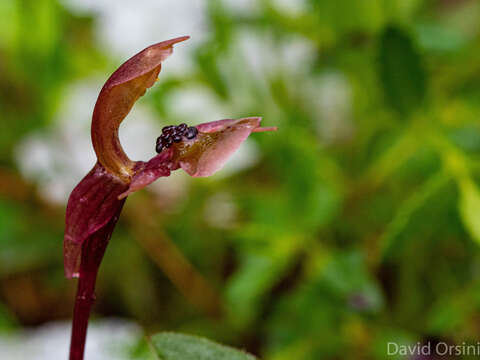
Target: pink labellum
x=216 y=142
x=202 y=156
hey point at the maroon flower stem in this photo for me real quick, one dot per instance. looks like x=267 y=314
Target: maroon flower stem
x=83 y=303
x=92 y=254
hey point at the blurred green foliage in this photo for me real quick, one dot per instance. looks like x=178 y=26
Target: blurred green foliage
x=359 y=226
x=171 y=346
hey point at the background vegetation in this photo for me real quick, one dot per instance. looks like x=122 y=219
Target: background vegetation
x=356 y=224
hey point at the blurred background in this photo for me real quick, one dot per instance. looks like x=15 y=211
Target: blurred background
x=355 y=225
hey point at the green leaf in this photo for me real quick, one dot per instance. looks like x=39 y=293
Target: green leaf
x=349 y=15
x=407 y=211
x=171 y=346
x=440 y=38
x=469 y=206
x=249 y=285
x=7 y=322
x=401 y=71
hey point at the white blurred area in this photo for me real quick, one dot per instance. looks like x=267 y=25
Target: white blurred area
x=106 y=340
x=125 y=27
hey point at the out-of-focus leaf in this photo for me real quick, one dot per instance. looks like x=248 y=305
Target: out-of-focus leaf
x=453 y=312
x=6 y=320
x=401 y=71
x=348 y=15
x=402 y=9
x=469 y=206
x=245 y=290
x=408 y=209
x=438 y=37
x=391 y=158
x=9 y=26
x=449 y=314
x=26 y=241
x=467 y=138
x=171 y=346
x=41 y=15
x=141 y=351
x=320 y=305
x=347 y=278
x=390 y=335
x=137 y=288
x=211 y=74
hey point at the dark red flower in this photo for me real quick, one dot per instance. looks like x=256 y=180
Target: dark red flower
x=96 y=202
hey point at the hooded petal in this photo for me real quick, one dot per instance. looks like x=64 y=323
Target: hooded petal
x=120 y=92
x=92 y=205
x=214 y=144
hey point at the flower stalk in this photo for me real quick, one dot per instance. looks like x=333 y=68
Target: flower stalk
x=93 y=250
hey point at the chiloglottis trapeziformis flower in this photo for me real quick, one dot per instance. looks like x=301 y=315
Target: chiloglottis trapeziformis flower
x=95 y=204
x=97 y=200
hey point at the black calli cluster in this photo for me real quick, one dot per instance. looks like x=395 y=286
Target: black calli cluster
x=174 y=134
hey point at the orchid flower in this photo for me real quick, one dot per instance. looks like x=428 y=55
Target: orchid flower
x=95 y=204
